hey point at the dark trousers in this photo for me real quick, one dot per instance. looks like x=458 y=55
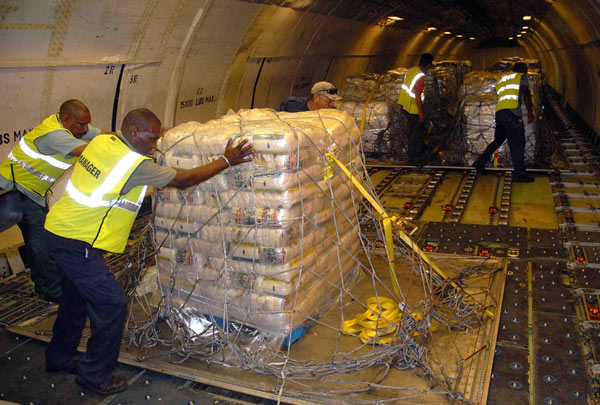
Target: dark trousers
x=416 y=140
x=508 y=127
x=89 y=289
x=45 y=273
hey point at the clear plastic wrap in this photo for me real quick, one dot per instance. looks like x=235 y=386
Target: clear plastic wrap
x=385 y=131
x=259 y=245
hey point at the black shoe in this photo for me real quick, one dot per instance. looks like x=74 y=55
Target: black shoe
x=522 y=178
x=72 y=367
x=51 y=299
x=114 y=385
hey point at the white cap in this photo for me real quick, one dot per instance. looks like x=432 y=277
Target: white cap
x=326 y=89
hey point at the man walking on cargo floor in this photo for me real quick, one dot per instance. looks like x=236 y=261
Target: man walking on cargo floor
x=32 y=166
x=411 y=99
x=322 y=95
x=94 y=215
x=512 y=89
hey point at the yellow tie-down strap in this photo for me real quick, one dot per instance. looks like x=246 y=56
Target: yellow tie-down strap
x=389 y=237
x=375 y=325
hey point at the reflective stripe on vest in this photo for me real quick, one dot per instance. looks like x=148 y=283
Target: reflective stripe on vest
x=407 y=98
x=409 y=89
x=35 y=171
x=46 y=158
x=508 y=91
x=96 y=199
x=26 y=166
x=93 y=208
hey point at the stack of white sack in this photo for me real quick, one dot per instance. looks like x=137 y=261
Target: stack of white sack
x=460 y=68
x=378 y=117
x=382 y=130
x=268 y=243
x=358 y=87
x=477 y=122
x=506 y=64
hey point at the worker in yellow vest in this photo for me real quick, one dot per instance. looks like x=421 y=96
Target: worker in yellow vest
x=32 y=166
x=513 y=91
x=95 y=215
x=411 y=99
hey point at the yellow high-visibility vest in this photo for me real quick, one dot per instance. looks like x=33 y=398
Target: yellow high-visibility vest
x=33 y=170
x=407 y=94
x=508 y=91
x=92 y=208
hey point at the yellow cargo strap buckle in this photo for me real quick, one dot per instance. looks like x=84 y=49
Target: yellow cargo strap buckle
x=378 y=322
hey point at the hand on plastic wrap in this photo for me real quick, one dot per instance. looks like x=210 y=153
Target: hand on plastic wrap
x=238 y=154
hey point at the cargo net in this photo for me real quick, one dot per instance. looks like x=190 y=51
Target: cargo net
x=385 y=131
x=250 y=260
x=475 y=121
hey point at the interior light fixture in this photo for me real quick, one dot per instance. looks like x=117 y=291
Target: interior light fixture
x=526 y=17
x=447 y=33
x=459 y=36
x=525 y=27
x=472 y=38
x=519 y=35
x=511 y=38
x=431 y=29
x=523 y=32
x=395 y=18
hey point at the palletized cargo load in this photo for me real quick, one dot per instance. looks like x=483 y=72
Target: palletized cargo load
x=261 y=243
x=385 y=130
x=475 y=123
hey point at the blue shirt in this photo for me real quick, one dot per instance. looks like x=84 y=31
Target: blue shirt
x=294 y=104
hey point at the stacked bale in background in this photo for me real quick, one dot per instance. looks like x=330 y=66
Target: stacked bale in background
x=382 y=132
x=441 y=97
x=264 y=243
x=385 y=131
x=506 y=64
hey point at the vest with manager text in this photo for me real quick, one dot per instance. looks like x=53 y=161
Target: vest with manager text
x=93 y=209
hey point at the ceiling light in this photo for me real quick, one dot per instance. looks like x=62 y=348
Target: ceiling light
x=526 y=17
x=395 y=18
x=431 y=29
x=523 y=32
x=510 y=38
x=525 y=27
x=447 y=33
x=472 y=38
x=519 y=35
x=459 y=36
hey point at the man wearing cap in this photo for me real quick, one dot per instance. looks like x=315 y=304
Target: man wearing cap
x=322 y=95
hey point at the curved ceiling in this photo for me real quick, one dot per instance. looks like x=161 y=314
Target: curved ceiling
x=170 y=55
x=491 y=22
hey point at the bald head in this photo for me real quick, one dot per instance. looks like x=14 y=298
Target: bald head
x=75 y=117
x=73 y=107
x=141 y=127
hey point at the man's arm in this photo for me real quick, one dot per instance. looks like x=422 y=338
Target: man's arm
x=89 y=135
x=78 y=150
x=419 y=86
x=235 y=156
